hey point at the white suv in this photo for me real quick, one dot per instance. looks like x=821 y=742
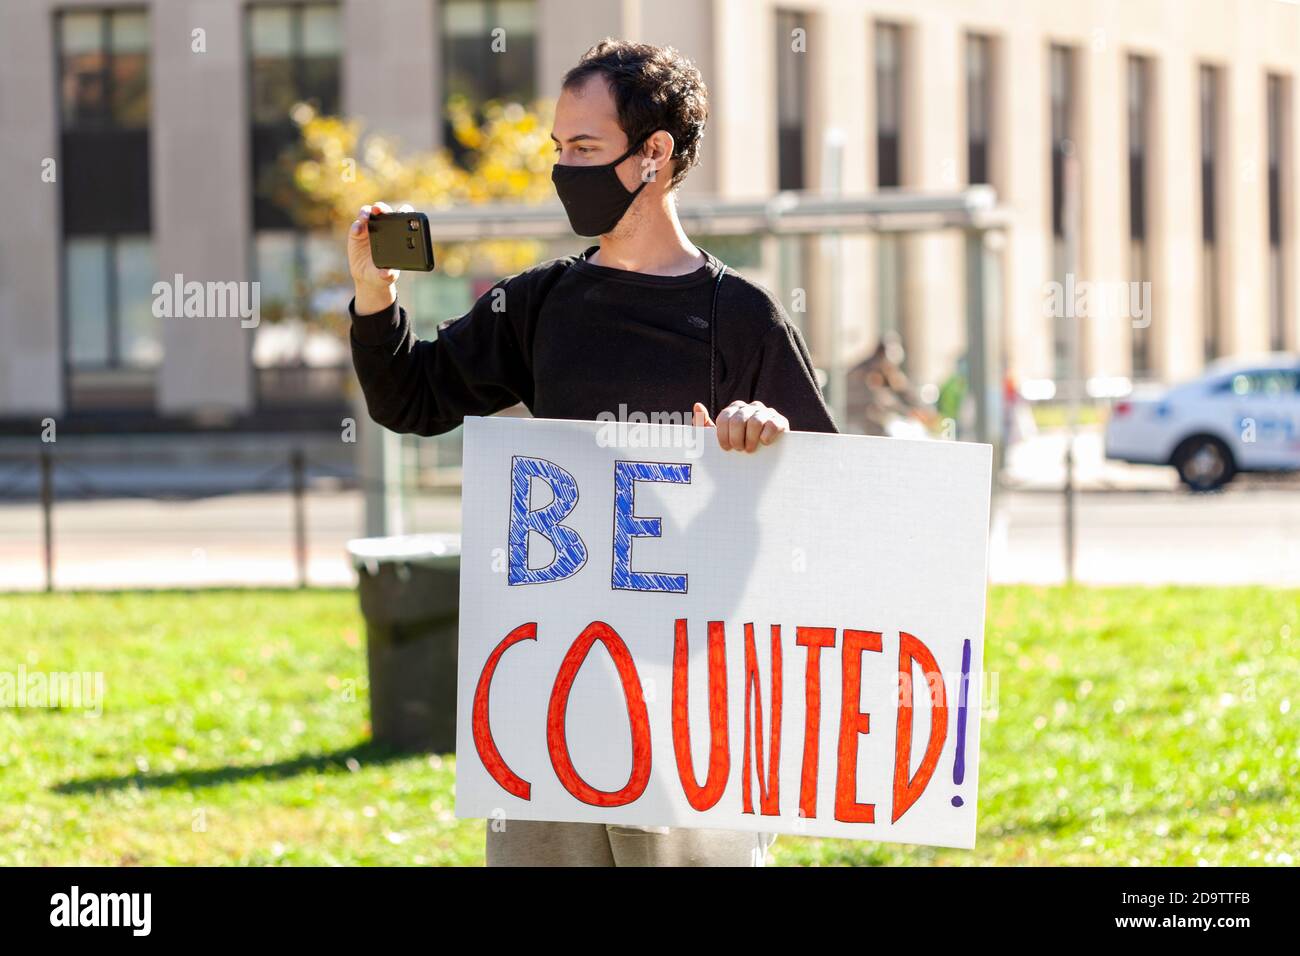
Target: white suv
x=1241 y=415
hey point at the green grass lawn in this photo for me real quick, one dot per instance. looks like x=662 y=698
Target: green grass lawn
x=1133 y=726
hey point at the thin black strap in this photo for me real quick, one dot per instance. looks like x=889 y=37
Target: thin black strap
x=713 y=347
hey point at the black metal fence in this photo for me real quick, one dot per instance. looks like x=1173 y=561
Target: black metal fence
x=56 y=478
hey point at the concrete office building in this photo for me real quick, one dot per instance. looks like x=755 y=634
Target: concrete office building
x=132 y=136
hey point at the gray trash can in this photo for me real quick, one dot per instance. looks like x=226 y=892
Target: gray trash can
x=409 y=588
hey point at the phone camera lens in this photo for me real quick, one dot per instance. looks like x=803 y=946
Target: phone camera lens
x=413 y=225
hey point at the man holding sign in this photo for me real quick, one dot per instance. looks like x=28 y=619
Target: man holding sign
x=643 y=324
x=668 y=652
x=656 y=633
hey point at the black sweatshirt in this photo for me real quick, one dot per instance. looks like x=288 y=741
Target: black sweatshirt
x=570 y=339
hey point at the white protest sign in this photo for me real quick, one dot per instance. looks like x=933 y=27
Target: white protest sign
x=657 y=632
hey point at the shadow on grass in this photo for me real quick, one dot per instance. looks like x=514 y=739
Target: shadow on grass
x=365 y=754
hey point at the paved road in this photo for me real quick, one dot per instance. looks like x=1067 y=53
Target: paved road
x=1248 y=534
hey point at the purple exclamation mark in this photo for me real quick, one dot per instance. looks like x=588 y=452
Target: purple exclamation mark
x=959 y=765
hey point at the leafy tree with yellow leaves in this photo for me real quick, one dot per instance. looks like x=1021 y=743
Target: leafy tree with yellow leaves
x=504 y=154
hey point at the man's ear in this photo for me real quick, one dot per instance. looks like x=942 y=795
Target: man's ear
x=657 y=155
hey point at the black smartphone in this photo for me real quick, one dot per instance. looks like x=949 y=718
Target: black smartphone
x=400 y=240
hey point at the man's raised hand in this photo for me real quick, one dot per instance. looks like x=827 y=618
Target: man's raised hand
x=376 y=289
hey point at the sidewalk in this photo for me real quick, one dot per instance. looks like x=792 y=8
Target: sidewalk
x=228 y=540
x=1038 y=464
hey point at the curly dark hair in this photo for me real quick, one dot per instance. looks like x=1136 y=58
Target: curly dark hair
x=655 y=88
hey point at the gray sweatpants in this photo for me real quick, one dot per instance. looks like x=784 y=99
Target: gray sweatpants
x=539 y=843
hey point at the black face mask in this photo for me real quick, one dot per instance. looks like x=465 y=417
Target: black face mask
x=593 y=196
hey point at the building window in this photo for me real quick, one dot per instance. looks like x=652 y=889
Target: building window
x=104 y=119
x=1062 y=117
x=979 y=107
x=104 y=58
x=296 y=362
x=791 y=99
x=476 y=70
x=1062 y=109
x=1278 y=107
x=889 y=104
x=890 y=253
x=489 y=52
x=294 y=58
x=111 y=341
x=1211 y=304
x=790 y=56
x=1139 y=117
x=108 y=290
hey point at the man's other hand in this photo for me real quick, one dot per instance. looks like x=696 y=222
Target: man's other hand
x=743 y=426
